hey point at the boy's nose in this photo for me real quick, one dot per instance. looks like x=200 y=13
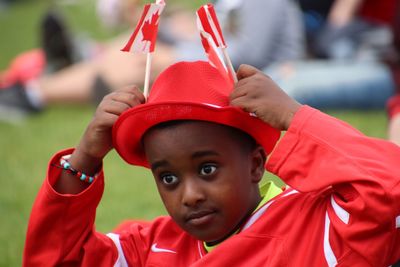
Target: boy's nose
x=192 y=193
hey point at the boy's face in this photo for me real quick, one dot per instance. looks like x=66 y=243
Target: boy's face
x=206 y=175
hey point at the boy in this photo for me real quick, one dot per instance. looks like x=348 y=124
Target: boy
x=206 y=146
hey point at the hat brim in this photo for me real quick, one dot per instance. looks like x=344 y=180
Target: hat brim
x=133 y=124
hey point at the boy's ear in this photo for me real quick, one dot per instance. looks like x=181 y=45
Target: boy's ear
x=258 y=162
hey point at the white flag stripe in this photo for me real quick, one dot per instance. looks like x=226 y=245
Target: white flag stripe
x=214 y=28
x=199 y=24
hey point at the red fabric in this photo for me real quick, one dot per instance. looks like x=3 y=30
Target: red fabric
x=379 y=11
x=393 y=106
x=26 y=66
x=186 y=91
x=334 y=168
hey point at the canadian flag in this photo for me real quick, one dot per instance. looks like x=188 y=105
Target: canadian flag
x=213 y=55
x=143 y=39
x=212 y=39
x=207 y=21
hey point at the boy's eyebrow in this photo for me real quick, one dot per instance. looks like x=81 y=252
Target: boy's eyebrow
x=200 y=154
x=158 y=164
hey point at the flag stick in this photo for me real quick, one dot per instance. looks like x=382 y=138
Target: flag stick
x=229 y=64
x=147 y=76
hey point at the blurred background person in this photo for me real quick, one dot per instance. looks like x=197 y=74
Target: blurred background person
x=349 y=28
x=352 y=58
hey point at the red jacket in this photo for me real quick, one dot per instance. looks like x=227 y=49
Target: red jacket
x=345 y=211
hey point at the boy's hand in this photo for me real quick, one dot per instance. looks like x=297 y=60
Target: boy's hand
x=257 y=93
x=97 y=139
x=96 y=142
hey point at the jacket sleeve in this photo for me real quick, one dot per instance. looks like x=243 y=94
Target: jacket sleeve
x=359 y=174
x=61 y=227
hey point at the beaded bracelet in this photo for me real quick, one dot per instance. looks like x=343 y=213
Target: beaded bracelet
x=67 y=166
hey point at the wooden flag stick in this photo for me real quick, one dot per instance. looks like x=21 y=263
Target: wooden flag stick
x=147 y=76
x=229 y=64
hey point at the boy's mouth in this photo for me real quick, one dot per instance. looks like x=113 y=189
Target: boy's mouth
x=198 y=218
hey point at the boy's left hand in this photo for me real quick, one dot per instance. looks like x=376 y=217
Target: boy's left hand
x=257 y=93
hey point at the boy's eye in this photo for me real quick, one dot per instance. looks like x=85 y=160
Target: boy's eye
x=169 y=179
x=208 y=169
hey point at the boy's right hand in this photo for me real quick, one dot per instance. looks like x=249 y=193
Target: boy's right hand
x=97 y=139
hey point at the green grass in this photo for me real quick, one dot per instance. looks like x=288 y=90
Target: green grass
x=26 y=147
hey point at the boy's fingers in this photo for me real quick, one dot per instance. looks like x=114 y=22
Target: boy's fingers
x=133 y=90
x=237 y=92
x=116 y=107
x=241 y=102
x=110 y=118
x=139 y=95
x=131 y=96
x=242 y=88
x=245 y=71
x=128 y=98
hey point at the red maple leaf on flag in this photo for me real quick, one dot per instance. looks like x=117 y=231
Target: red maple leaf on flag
x=149 y=30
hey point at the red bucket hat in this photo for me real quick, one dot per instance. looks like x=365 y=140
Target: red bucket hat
x=186 y=91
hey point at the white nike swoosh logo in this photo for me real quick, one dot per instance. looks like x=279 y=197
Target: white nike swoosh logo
x=154 y=248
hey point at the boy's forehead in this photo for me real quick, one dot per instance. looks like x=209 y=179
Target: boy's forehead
x=192 y=139
x=206 y=129
x=194 y=124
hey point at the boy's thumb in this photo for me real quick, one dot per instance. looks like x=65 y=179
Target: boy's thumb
x=246 y=71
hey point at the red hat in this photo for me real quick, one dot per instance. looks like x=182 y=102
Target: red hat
x=186 y=91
